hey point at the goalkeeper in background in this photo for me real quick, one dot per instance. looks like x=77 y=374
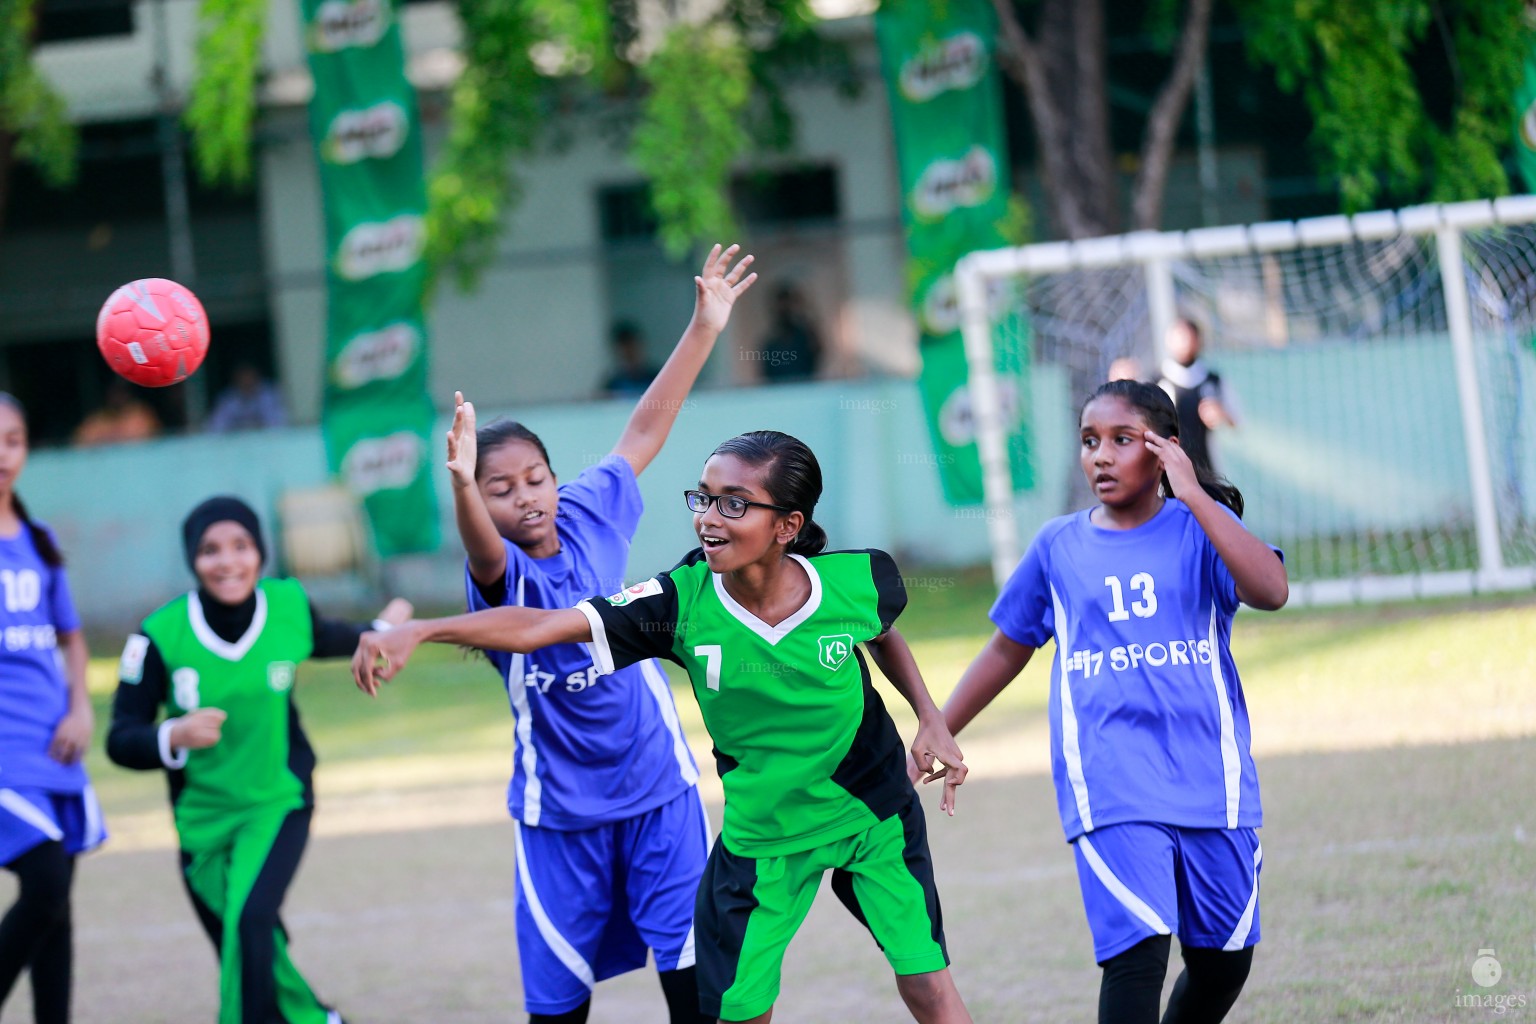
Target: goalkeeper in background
x=1203 y=400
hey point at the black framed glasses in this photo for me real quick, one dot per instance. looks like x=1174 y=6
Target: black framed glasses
x=732 y=506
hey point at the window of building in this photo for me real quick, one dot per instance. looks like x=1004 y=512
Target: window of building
x=60 y=21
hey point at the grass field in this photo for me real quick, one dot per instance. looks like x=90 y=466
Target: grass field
x=1396 y=746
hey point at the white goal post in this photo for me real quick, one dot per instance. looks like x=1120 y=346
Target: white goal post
x=1384 y=365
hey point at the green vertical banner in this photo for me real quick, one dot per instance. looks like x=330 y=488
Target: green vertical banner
x=377 y=415
x=1525 y=123
x=941 y=77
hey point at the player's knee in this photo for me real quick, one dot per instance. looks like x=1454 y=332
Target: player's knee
x=1219 y=970
x=575 y=1015
x=257 y=924
x=43 y=877
x=924 y=994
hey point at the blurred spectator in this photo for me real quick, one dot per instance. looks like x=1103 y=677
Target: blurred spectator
x=792 y=349
x=122 y=417
x=1126 y=368
x=1204 y=404
x=249 y=403
x=632 y=374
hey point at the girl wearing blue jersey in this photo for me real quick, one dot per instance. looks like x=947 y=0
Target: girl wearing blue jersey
x=768 y=624
x=611 y=834
x=48 y=814
x=1149 y=727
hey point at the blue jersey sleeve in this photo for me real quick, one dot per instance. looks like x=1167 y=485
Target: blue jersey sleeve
x=62 y=603
x=1023 y=610
x=478 y=598
x=608 y=492
x=1221 y=577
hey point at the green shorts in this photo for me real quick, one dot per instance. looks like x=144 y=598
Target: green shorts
x=750 y=907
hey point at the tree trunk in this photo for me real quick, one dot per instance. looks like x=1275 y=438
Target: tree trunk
x=1163 y=122
x=1064 y=82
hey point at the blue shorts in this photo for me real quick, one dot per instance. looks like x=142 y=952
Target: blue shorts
x=1141 y=879
x=591 y=903
x=30 y=817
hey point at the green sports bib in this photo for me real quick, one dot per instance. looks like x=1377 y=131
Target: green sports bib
x=806 y=751
x=251 y=680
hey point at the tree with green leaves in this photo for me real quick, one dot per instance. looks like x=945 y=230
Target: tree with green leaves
x=691 y=96
x=1353 y=63
x=34 y=124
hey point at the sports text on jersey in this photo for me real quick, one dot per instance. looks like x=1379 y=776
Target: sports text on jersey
x=1156 y=654
x=536 y=678
x=30 y=638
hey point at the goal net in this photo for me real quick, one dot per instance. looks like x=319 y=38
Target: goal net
x=1381 y=368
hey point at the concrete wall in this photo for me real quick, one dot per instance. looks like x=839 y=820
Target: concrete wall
x=118 y=510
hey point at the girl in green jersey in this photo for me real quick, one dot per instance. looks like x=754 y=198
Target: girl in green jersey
x=767 y=625
x=221 y=660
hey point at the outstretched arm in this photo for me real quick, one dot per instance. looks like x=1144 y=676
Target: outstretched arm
x=934 y=750
x=487 y=554
x=1259 y=573
x=716 y=290
x=381 y=656
x=997 y=664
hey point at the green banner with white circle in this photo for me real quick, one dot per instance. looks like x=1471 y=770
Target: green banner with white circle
x=941 y=77
x=367 y=135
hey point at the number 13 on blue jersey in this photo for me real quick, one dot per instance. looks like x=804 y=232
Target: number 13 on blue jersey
x=1144 y=608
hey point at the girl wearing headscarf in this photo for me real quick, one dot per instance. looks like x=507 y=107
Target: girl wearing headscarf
x=221 y=661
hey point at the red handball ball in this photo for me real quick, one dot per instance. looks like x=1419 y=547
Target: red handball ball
x=153 y=332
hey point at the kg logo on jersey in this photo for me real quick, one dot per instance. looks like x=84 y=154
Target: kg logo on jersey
x=834 y=650
x=649 y=588
x=280 y=675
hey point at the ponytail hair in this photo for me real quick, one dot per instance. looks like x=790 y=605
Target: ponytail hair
x=1157 y=409
x=42 y=540
x=791 y=475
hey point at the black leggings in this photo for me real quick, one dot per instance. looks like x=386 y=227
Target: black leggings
x=681 y=988
x=1132 y=987
x=36 y=931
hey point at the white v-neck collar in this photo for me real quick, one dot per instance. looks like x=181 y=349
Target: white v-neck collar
x=773 y=634
x=217 y=644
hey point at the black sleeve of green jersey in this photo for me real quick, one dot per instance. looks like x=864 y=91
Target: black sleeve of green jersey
x=133 y=738
x=640 y=628
x=892 y=592
x=334 y=638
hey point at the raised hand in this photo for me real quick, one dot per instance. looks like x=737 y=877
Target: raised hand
x=381 y=656
x=719 y=285
x=936 y=756
x=198 y=729
x=1175 y=463
x=462 y=451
